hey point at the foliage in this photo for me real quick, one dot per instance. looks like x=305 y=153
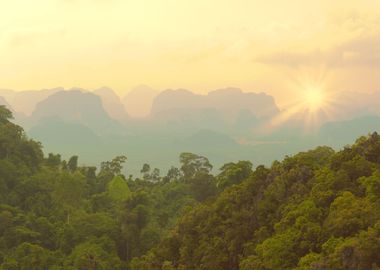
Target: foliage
x=118 y=189
x=316 y=210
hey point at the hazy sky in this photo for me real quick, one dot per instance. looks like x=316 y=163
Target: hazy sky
x=279 y=47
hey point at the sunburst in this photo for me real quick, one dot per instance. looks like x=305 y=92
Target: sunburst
x=314 y=99
x=314 y=105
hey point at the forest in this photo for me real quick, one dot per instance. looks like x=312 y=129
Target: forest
x=316 y=210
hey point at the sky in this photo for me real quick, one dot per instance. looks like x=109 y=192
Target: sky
x=278 y=47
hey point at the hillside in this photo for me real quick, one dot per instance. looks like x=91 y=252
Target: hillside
x=55 y=214
x=315 y=210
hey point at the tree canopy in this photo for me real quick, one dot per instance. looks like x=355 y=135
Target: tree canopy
x=317 y=210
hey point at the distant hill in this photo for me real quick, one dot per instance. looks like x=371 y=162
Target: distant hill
x=226 y=124
x=112 y=103
x=229 y=102
x=76 y=106
x=26 y=101
x=226 y=110
x=233 y=100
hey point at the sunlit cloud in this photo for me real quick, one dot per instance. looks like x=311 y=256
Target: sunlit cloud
x=255 y=45
x=354 y=40
x=359 y=52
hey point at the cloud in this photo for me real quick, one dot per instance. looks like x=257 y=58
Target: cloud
x=359 y=52
x=354 y=41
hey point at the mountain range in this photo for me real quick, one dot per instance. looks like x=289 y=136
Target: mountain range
x=154 y=127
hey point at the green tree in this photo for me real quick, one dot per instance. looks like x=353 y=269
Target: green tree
x=191 y=164
x=349 y=214
x=72 y=164
x=233 y=173
x=145 y=171
x=114 y=166
x=155 y=175
x=5 y=115
x=118 y=189
x=95 y=254
x=53 y=161
x=29 y=256
x=173 y=174
x=69 y=191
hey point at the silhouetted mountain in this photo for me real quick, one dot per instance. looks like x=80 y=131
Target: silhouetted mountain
x=229 y=102
x=112 y=103
x=26 y=101
x=180 y=99
x=76 y=106
x=232 y=100
x=138 y=101
x=226 y=110
x=222 y=125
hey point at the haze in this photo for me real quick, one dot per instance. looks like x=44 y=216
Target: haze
x=269 y=46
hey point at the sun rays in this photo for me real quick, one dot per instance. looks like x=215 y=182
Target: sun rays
x=315 y=104
x=313 y=107
x=314 y=99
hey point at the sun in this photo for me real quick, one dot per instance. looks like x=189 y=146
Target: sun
x=314 y=99
x=314 y=104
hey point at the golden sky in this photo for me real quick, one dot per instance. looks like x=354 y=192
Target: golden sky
x=279 y=47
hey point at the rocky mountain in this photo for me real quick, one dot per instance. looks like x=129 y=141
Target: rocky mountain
x=25 y=101
x=76 y=106
x=229 y=102
x=112 y=103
